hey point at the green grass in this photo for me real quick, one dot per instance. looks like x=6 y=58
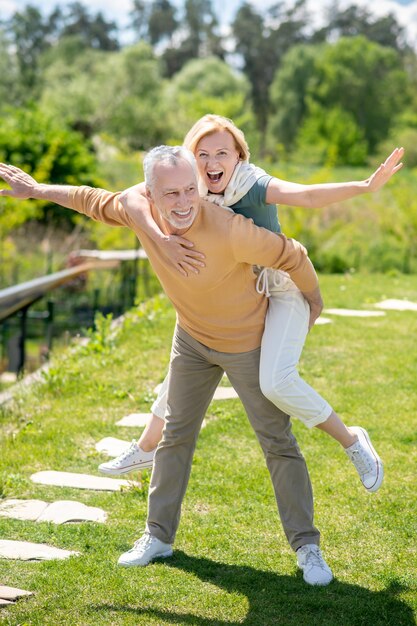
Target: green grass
x=232 y=564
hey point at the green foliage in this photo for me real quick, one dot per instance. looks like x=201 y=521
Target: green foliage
x=116 y=93
x=101 y=338
x=289 y=94
x=332 y=136
x=338 y=100
x=372 y=232
x=231 y=564
x=50 y=152
x=208 y=85
x=365 y=80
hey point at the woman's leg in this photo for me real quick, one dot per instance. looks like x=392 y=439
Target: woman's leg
x=286 y=328
x=140 y=454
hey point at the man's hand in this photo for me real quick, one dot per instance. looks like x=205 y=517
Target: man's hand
x=385 y=170
x=179 y=252
x=315 y=303
x=22 y=185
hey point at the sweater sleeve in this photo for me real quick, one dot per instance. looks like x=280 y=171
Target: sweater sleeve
x=258 y=246
x=100 y=205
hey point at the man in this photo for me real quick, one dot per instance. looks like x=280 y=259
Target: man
x=220 y=324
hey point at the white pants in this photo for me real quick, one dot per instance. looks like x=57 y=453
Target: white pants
x=286 y=327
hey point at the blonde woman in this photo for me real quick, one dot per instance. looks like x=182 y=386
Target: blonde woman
x=227 y=178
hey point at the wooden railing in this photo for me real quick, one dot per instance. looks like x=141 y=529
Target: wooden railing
x=16 y=300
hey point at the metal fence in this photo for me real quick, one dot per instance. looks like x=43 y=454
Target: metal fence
x=48 y=307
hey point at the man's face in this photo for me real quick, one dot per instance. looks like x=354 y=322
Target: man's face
x=175 y=194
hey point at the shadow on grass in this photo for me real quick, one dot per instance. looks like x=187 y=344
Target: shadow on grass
x=281 y=600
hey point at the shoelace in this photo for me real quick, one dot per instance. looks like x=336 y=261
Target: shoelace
x=315 y=559
x=127 y=453
x=362 y=461
x=145 y=541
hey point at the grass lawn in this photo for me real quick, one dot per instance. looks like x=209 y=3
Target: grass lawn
x=232 y=564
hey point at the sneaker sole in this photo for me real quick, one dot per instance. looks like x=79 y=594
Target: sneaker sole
x=380 y=467
x=125 y=470
x=164 y=555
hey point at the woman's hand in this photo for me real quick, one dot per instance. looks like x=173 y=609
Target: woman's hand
x=385 y=170
x=179 y=251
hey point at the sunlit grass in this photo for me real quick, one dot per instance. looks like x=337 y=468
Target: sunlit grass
x=232 y=564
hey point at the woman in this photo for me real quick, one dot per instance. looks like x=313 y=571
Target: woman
x=227 y=178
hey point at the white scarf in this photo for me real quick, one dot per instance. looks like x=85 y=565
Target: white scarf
x=243 y=178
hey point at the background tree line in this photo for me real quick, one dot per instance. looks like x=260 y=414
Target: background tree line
x=74 y=97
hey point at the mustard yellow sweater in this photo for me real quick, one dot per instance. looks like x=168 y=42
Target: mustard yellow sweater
x=219 y=306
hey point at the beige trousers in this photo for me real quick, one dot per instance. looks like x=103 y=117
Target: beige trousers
x=195 y=371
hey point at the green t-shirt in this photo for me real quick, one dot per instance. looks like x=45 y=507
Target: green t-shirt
x=253 y=205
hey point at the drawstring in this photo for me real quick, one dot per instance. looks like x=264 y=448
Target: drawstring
x=262 y=282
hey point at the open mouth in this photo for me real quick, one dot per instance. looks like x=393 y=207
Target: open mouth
x=214 y=177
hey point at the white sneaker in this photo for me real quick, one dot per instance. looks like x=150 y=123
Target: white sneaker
x=133 y=458
x=364 y=457
x=315 y=569
x=145 y=550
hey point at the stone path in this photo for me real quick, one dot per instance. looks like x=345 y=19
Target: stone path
x=321 y=321
x=59 y=512
x=397 y=305
x=9 y=595
x=221 y=393
x=112 y=446
x=354 y=313
x=134 y=419
x=79 y=481
x=27 y=551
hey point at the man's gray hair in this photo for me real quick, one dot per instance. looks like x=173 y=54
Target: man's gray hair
x=172 y=155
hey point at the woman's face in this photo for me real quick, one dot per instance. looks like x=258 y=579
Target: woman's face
x=217 y=158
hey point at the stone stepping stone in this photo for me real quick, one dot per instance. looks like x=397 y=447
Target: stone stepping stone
x=27 y=551
x=221 y=393
x=225 y=393
x=10 y=594
x=322 y=320
x=354 y=313
x=59 y=512
x=28 y=510
x=80 y=481
x=112 y=446
x=134 y=419
x=397 y=305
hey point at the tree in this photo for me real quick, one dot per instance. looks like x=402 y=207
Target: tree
x=199 y=37
x=354 y=82
x=262 y=42
x=364 y=79
x=289 y=94
x=10 y=87
x=354 y=21
x=209 y=86
x=93 y=30
x=50 y=151
x=118 y=93
x=30 y=34
x=162 y=22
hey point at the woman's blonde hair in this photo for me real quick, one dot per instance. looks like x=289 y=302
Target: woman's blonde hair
x=209 y=124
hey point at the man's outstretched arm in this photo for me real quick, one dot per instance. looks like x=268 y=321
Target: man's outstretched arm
x=98 y=204
x=24 y=186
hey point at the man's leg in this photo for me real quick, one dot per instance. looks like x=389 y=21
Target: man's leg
x=285 y=462
x=193 y=379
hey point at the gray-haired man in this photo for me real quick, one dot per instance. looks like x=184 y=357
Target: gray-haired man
x=220 y=324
